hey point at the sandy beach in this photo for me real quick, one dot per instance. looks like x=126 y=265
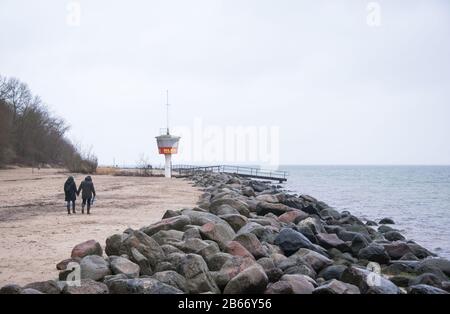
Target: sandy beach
x=36 y=232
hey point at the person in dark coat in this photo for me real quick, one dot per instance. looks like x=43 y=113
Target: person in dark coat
x=70 y=191
x=88 y=191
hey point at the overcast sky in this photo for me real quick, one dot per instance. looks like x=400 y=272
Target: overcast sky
x=340 y=90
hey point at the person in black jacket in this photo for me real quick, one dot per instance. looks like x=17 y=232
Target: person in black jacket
x=70 y=191
x=87 y=186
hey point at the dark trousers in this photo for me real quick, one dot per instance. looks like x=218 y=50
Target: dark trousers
x=88 y=202
x=68 y=206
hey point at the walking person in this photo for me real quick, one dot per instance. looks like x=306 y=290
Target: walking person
x=88 y=190
x=70 y=191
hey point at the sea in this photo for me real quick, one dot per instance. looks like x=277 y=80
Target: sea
x=417 y=198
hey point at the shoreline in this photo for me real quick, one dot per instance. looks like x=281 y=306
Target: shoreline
x=247 y=236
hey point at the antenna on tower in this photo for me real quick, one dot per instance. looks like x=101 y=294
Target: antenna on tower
x=167 y=111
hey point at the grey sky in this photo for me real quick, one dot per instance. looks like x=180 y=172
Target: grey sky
x=341 y=92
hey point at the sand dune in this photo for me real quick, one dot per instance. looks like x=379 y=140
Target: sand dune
x=36 y=232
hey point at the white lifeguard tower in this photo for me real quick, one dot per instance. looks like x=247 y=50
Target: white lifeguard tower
x=167 y=145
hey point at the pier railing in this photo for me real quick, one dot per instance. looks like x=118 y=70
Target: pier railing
x=257 y=173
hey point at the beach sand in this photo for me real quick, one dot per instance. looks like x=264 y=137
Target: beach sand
x=36 y=232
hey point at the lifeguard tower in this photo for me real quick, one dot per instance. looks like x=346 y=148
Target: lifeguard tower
x=167 y=144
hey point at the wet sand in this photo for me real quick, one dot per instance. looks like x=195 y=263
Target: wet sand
x=36 y=232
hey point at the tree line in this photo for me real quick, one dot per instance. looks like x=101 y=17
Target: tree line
x=31 y=136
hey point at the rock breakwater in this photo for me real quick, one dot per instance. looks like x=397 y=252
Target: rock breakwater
x=248 y=236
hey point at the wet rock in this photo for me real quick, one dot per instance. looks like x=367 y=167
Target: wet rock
x=331 y=240
x=368 y=282
x=336 y=287
x=426 y=279
x=250 y=281
x=359 y=242
x=394 y=236
x=386 y=221
x=396 y=250
x=439 y=263
x=225 y=210
x=220 y=233
x=87 y=286
x=86 y=248
x=94 y=267
x=371 y=223
x=290 y=241
x=425 y=289
x=145 y=265
x=330 y=212
x=313 y=223
x=384 y=229
x=196 y=272
x=409 y=257
x=248 y=191
x=374 y=253
x=419 y=251
x=120 y=265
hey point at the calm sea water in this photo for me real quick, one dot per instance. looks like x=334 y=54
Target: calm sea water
x=416 y=197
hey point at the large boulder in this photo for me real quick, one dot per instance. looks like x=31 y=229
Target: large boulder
x=290 y=241
x=425 y=289
x=250 y=281
x=216 y=261
x=94 y=267
x=47 y=287
x=220 y=233
x=237 y=249
x=272 y=271
x=240 y=206
x=113 y=244
x=143 y=244
x=394 y=236
x=440 y=263
x=252 y=244
x=291 y=284
x=121 y=265
x=358 y=243
x=235 y=221
x=397 y=249
x=332 y=272
x=426 y=279
x=368 y=282
x=173 y=223
x=171 y=278
x=336 y=287
x=330 y=240
x=141 y=286
x=11 y=289
x=196 y=272
x=386 y=221
x=278 y=209
x=315 y=260
x=293 y=216
x=90 y=247
x=167 y=236
x=375 y=253
x=231 y=268
x=87 y=286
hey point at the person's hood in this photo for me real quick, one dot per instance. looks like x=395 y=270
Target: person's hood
x=70 y=179
x=88 y=178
